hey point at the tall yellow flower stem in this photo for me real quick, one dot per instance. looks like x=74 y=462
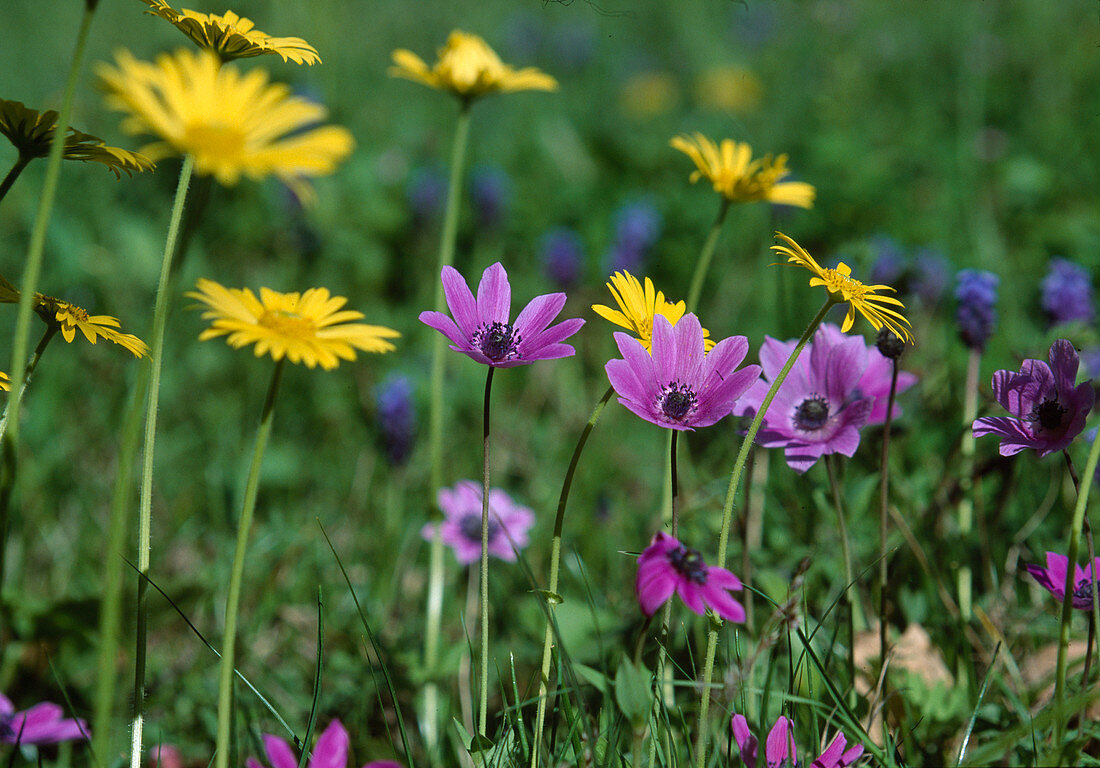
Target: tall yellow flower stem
x=429 y=716
x=702 y=733
x=21 y=162
x=145 y=508
x=233 y=601
x=1067 y=600
x=551 y=594
x=702 y=266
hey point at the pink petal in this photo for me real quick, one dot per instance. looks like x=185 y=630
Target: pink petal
x=332 y=748
x=460 y=301
x=494 y=295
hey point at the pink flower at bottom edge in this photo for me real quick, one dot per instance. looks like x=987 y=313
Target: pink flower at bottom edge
x=331 y=751
x=780 y=750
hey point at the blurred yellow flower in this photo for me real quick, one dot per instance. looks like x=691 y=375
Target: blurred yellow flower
x=649 y=94
x=638 y=305
x=233 y=123
x=69 y=318
x=31 y=132
x=734 y=174
x=728 y=89
x=469 y=68
x=305 y=328
x=231 y=36
x=5 y=382
x=843 y=288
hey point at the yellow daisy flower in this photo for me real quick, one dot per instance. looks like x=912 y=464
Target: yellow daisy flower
x=469 y=68
x=31 y=132
x=305 y=328
x=70 y=318
x=843 y=288
x=233 y=123
x=734 y=174
x=5 y=382
x=638 y=305
x=231 y=36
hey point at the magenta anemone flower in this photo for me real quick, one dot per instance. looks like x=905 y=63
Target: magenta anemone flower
x=667 y=566
x=680 y=386
x=820 y=407
x=41 y=724
x=780 y=751
x=331 y=752
x=1048 y=411
x=481 y=328
x=1053 y=577
x=461 y=526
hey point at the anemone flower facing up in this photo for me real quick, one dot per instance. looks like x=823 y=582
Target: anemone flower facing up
x=481 y=328
x=844 y=289
x=1048 y=411
x=638 y=306
x=230 y=36
x=331 y=751
x=780 y=750
x=667 y=566
x=679 y=385
x=41 y=724
x=729 y=167
x=461 y=526
x=469 y=68
x=1053 y=579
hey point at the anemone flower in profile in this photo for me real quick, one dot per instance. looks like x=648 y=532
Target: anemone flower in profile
x=638 y=306
x=481 y=328
x=780 y=750
x=461 y=525
x=733 y=173
x=678 y=384
x=331 y=751
x=1048 y=411
x=1053 y=579
x=41 y=724
x=667 y=566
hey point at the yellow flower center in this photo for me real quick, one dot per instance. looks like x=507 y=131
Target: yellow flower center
x=841 y=287
x=78 y=313
x=214 y=140
x=288 y=324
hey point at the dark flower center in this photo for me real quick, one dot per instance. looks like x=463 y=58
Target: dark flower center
x=497 y=341
x=1084 y=591
x=812 y=413
x=677 y=401
x=1048 y=413
x=688 y=563
x=470 y=525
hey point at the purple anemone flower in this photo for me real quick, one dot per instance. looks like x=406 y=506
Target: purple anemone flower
x=331 y=752
x=821 y=405
x=779 y=748
x=41 y=724
x=1048 y=411
x=679 y=386
x=1053 y=578
x=667 y=566
x=461 y=526
x=481 y=328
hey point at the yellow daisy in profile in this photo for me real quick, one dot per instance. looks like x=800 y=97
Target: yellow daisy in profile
x=638 y=305
x=31 y=132
x=5 y=382
x=735 y=175
x=69 y=318
x=231 y=36
x=469 y=68
x=843 y=288
x=234 y=124
x=308 y=328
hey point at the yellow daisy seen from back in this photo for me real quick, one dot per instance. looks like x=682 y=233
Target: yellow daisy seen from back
x=469 y=68
x=638 y=305
x=230 y=36
x=309 y=328
x=733 y=173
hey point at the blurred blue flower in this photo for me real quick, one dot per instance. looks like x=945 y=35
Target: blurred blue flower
x=562 y=256
x=931 y=274
x=1090 y=361
x=623 y=258
x=976 y=313
x=491 y=192
x=888 y=260
x=637 y=225
x=396 y=417
x=1067 y=293
x=426 y=192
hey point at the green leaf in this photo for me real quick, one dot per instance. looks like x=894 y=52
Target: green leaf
x=634 y=691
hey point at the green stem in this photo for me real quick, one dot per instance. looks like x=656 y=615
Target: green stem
x=1067 y=601
x=851 y=602
x=483 y=692
x=433 y=619
x=145 y=508
x=884 y=500
x=702 y=266
x=966 y=480
x=701 y=733
x=232 y=603
x=555 y=563
x=21 y=162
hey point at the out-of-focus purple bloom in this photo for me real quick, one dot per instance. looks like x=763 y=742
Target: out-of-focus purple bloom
x=1090 y=361
x=491 y=192
x=1053 y=578
x=41 y=724
x=1048 y=411
x=482 y=330
x=888 y=260
x=562 y=256
x=461 y=525
x=667 y=566
x=426 y=193
x=165 y=756
x=638 y=225
x=623 y=258
x=931 y=273
x=780 y=750
x=679 y=385
x=331 y=751
x=821 y=405
x=1067 y=293
x=396 y=417
x=976 y=314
